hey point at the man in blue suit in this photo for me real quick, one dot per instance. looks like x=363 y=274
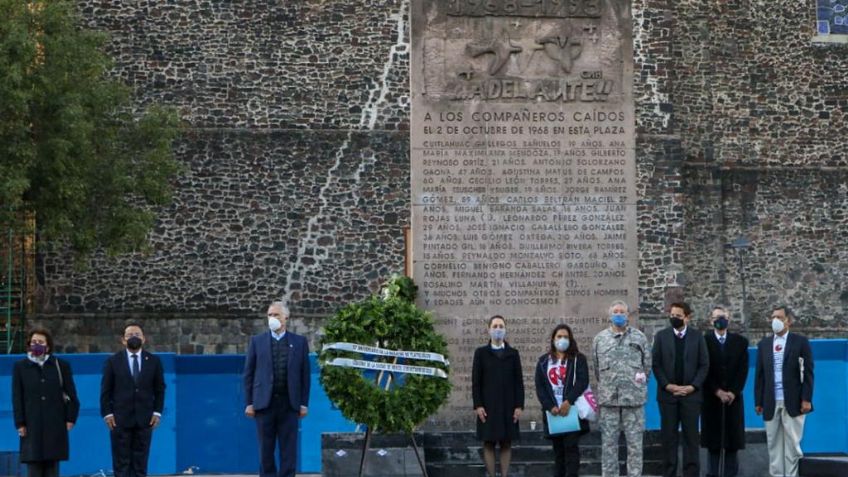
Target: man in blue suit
x=276 y=391
x=783 y=391
x=132 y=396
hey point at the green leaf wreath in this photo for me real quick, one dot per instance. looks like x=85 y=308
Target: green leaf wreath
x=389 y=321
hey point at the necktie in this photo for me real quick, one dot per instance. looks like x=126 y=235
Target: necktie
x=135 y=368
x=680 y=335
x=721 y=340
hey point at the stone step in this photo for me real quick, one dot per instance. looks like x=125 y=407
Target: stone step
x=521 y=453
x=527 y=469
x=834 y=465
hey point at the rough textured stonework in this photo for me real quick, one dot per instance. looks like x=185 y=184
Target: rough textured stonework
x=296 y=165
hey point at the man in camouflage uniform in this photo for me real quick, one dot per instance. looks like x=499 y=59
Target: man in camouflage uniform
x=622 y=362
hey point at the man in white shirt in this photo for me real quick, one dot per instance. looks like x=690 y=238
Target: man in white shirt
x=783 y=391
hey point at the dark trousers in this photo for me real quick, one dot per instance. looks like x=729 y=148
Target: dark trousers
x=731 y=464
x=683 y=413
x=277 y=426
x=566 y=455
x=130 y=448
x=44 y=468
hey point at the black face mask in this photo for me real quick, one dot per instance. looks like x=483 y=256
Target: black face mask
x=134 y=343
x=676 y=322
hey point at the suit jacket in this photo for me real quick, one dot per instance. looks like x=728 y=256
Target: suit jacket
x=794 y=391
x=696 y=363
x=132 y=404
x=259 y=371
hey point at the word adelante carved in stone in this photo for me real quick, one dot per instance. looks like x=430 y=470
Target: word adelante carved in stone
x=550 y=90
x=524 y=8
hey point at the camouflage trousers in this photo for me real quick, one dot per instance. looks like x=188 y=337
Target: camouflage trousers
x=613 y=420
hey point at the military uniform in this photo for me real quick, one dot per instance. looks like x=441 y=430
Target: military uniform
x=617 y=358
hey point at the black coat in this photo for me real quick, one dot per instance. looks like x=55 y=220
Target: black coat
x=794 y=391
x=132 y=404
x=39 y=405
x=574 y=386
x=497 y=385
x=695 y=363
x=728 y=372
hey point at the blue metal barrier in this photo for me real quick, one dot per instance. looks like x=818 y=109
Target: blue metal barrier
x=826 y=429
x=204 y=428
x=203 y=424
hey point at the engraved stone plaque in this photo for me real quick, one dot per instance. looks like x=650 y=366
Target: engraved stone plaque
x=523 y=174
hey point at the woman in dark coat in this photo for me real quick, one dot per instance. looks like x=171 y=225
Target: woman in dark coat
x=497 y=388
x=562 y=375
x=723 y=388
x=45 y=405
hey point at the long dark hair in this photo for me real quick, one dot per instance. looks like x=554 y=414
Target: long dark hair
x=572 y=350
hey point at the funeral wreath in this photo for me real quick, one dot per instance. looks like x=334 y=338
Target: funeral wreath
x=382 y=362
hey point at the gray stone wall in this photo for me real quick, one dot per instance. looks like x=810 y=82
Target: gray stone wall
x=296 y=166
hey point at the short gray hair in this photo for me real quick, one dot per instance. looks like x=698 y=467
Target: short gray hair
x=616 y=303
x=282 y=306
x=724 y=308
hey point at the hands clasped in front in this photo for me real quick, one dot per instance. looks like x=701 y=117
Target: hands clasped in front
x=680 y=391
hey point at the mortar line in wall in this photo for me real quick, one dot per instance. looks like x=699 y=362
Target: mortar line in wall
x=764 y=168
x=271 y=130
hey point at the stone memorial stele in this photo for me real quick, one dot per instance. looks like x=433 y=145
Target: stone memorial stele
x=523 y=175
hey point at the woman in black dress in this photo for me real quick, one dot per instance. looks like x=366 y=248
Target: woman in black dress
x=45 y=405
x=562 y=375
x=497 y=389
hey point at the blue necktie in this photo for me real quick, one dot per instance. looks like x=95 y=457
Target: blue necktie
x=135 y=368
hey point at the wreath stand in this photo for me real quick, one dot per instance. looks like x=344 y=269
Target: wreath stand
x=367 y=444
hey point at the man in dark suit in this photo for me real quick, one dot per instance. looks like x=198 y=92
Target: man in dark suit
x=723 y=412
x=783 y=391
x=276 y=391
x=680 y=364
x=132 y=395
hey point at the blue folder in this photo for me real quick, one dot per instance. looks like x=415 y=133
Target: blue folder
x=563 y=424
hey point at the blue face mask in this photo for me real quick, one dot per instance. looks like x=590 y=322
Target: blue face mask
x=497 y=334
x=562 y=344
x=619 y=320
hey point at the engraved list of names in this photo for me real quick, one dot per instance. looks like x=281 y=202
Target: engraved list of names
x=523 y=174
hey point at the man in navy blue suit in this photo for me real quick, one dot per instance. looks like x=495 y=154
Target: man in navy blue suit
x=276 y=391
x=783 y=391
x=132 y=395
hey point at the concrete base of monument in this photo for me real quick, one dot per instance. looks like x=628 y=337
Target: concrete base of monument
x=824 y=465
x=459 y=454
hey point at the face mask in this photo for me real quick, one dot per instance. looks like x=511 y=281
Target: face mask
x=37 y=349
x=274 y=323
x=777 y=325
x=134 y=343
x=497 y=334
x=676 y=322
x=720 y=323
x=562 y=344
x=619 y=320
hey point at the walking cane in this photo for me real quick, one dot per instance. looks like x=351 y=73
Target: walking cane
x=721 y=451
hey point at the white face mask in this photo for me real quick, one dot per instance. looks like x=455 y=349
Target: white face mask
x=777 y=325
x=562 y=344
x=274 y=323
